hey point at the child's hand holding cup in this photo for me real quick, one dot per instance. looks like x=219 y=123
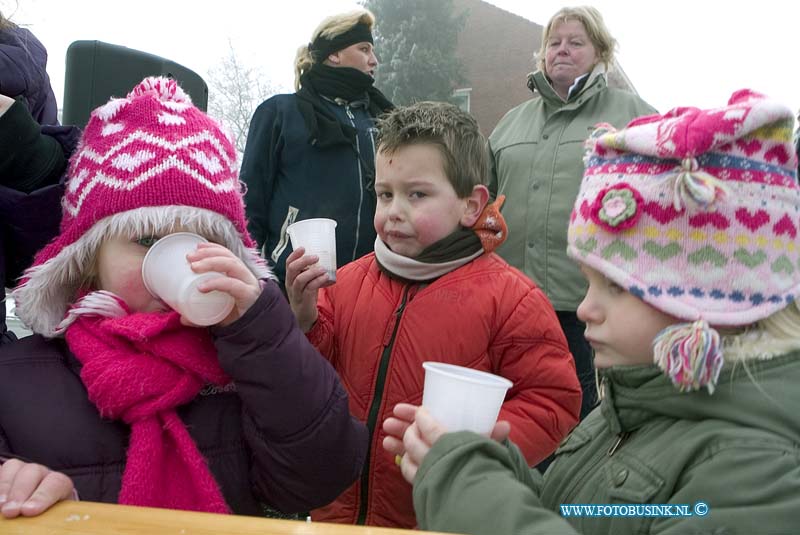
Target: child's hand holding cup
x=454 y=398
x=168 y=275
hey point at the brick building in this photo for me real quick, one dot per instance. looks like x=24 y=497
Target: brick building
x=496 y=48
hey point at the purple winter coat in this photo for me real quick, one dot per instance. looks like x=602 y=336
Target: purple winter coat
x=23 y=63
x=283 y=437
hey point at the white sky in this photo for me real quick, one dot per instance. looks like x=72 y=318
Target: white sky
x=676 y=52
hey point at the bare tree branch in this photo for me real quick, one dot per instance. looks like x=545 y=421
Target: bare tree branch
x=234 y=92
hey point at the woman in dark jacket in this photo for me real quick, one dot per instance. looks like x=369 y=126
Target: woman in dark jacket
x=311 y=153
x=33 y=157
x=23 y=64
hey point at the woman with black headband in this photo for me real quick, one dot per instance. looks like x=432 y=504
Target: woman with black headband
x=311 y=153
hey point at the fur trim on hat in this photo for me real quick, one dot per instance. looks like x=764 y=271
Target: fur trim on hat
x=48 y=289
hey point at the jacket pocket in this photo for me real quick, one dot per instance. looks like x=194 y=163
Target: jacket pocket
x=577 y=132
x=630 y=481
x=283 y=239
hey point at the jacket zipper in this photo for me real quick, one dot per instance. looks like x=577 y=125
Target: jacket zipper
x=360 y=180
x=622 y=436
x=372 y=415
x=546 y=286
x=283 y=237
x=578 y=481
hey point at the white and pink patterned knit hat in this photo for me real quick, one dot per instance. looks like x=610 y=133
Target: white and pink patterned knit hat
x=151 y=160
x=697 y=213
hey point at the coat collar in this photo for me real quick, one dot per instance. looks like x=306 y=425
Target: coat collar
x=538 y=82
x=759 y=394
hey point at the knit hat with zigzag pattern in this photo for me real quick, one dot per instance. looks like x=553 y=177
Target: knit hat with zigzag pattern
x=149 y=160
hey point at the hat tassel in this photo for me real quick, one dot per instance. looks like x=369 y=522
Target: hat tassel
x=690 y=354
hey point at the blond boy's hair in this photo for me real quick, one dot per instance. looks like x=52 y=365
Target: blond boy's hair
x=454 y=132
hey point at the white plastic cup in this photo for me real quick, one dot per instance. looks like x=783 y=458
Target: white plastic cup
x=318 y=237
x=168 y=276
x=463 y=399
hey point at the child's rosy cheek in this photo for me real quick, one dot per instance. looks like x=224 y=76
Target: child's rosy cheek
x=133 y=283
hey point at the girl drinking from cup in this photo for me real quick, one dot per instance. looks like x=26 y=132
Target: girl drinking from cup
x=123 y=394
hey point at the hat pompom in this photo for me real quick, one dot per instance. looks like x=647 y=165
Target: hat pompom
x=164 y=89
x=690 y=354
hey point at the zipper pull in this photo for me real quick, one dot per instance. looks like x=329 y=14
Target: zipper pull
x=617 y=443
x=404 y=301
x=400 y=309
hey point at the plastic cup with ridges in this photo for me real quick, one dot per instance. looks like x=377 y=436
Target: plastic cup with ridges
x=318 y=237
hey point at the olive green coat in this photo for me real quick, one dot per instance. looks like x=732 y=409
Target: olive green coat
x=737 y=451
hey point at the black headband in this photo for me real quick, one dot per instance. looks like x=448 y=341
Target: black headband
x=322 y=47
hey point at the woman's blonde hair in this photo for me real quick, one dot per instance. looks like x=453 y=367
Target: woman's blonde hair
x=5 y=23
x=328 y=28
x=595 y=27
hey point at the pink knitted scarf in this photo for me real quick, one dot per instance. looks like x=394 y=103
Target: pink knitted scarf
x=139 y=368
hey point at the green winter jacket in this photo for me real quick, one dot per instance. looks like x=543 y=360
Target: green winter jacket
x=647 y=443
x=536 y=156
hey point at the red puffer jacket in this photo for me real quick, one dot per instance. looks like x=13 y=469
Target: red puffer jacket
x=486 y=315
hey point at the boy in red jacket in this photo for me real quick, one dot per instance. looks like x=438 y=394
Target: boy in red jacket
x=432 y=290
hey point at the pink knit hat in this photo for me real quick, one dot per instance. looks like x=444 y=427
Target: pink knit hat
x=695 y=212
x=150 y=161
